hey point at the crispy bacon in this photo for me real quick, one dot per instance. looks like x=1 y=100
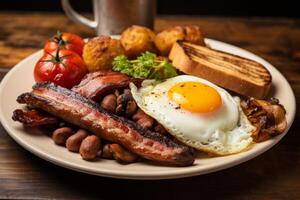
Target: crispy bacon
x=34 y=118
x=78 y=110
x=96 y=84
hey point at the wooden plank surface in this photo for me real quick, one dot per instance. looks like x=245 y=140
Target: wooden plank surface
x=273 y=175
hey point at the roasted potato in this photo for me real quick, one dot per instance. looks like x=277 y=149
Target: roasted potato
x=136 y=40
x=99 y=52
x=194 y=35
x=165 y=39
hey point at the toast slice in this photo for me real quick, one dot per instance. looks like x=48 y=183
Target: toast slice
x=241 y=75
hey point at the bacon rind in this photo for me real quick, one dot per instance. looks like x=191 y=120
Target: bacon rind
x=76 y=109
x=99 y=83
x=33 y=118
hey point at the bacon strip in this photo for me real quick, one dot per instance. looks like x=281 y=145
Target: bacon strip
x=96 y=84
x=80 y=111
x=33 y=118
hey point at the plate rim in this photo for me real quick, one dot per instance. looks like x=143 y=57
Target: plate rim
x=153 y=175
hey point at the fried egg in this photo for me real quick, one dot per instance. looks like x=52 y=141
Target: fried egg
x=196 y=112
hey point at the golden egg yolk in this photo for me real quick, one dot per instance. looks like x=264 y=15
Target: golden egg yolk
x=195 y=97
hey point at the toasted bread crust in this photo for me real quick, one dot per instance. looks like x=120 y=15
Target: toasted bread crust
x=237 y=74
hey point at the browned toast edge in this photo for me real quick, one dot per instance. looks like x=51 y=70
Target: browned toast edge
x=187 y=65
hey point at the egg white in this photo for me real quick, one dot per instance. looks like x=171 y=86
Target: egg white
x=223 y=132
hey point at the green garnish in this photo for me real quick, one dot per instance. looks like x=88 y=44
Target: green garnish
x=146 y=66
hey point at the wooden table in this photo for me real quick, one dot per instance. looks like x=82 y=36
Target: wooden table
x=273 y=175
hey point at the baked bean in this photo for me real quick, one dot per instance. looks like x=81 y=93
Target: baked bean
x=89 y=147
x=74 y=141
x=106 y=152
x=146 y=122
x=121 y=154
x=109 y=102
x=127 y=91
x=61 y=135
x=143 y=119
x=130 y=108
x=126 y=104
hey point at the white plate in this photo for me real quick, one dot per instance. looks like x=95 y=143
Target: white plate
x=20 y=79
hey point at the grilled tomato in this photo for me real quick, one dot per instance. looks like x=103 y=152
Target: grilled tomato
x=62 y=67
x=68 y=41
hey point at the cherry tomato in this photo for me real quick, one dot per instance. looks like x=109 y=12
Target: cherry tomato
x=68 y=41
x=62 y=67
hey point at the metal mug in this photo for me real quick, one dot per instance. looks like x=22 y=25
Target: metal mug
x=111 y=17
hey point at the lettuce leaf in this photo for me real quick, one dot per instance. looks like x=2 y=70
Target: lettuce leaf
x=146 y=66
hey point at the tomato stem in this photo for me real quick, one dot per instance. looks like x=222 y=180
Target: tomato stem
x=57 y=38
x=58 y=34
x=57 y=59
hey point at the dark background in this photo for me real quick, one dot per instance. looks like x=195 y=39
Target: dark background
x=281 y=8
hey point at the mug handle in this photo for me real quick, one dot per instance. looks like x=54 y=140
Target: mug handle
x=76 y=17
